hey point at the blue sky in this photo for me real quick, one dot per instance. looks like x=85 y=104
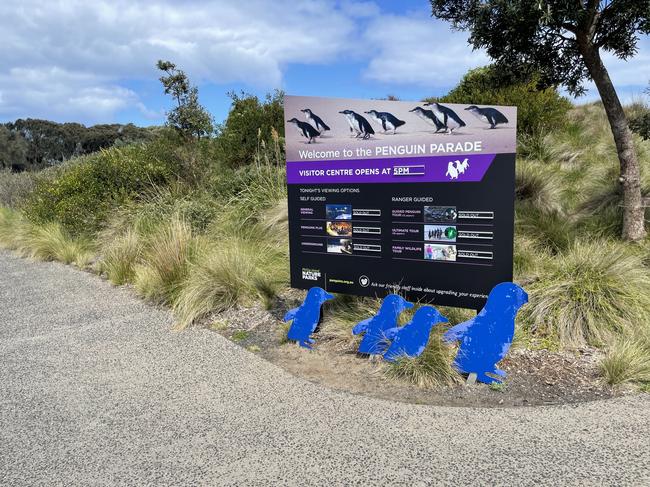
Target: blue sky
x=93 y=61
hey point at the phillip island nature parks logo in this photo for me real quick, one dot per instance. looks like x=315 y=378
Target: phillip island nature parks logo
x=456 y=168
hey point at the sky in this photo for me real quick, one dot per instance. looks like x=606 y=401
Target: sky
x=93 y=61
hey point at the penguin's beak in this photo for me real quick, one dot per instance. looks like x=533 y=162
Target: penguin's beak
x=303 y=111
x=408 y=305
x=328 y=296
x=413 y=109
x=443 y=319
x=427 y=104
x=342 y=112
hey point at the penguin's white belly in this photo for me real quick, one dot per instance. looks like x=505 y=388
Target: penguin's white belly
x=389 y=126
x=352 y=124
x=451 y=123
x=426 y=119
x=301 y=132
x=441 y=117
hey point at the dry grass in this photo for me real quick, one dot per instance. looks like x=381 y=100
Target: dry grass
x=120 y=255
x=627 y=361
x=433 y=368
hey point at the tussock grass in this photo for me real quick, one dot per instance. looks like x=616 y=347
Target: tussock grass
x=627 y=361
x=15 y=187
x=42 y=242
x=431 y=369
x=165 y=261
x=232 y=271
x=341 y=314
x=592 y=292
x=120 y=256
x=548 y=232
x=539 y=187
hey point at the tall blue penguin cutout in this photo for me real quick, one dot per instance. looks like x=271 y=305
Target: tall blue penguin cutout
x=412 y=338
x=306 y=317
x=486 y=339
x=374 y=341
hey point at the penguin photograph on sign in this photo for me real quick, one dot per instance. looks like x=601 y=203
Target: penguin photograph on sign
x=447 y=116
x=428 y=117
x=358 y=124
x=315 y=120
x=388 y=121
x=488 y=115
x=305 y=129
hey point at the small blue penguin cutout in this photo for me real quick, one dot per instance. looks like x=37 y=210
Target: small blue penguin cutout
x=486 y=339
x=374 y=341
x=306 y=317
x=411 y=339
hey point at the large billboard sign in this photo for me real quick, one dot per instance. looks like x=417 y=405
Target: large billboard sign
x=406 y=197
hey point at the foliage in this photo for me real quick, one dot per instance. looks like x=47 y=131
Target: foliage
x=537 y=110
x=166 y=259
x=538 y=187
x=120 y=255
x=15 y=187
x=85 y=191
x=433 y=368
x=250 y=122
x=588 y=294
x=34 y=144
x=627 y=360
x=188 y=117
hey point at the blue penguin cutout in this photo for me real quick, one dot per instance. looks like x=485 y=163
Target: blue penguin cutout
x=374 y=341
x=306 y=317
x=412 y=338
x=486 y=339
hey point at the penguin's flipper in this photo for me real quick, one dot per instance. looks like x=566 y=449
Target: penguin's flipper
x=499 y=372
x=305 y=344
x=457 y=332
x=291 y=314
x=361 y=326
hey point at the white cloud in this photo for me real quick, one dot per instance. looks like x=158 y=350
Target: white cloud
x=416 y=50
x=98 y=43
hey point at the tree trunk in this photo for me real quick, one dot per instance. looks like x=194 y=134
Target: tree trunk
x=633 y=207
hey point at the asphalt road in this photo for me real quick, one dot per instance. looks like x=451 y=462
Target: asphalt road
x=96 y=390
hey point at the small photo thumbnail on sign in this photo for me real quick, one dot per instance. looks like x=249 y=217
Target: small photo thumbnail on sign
x=338 y=212
x=443 y=214
x=439 y=252
x=443 y=233
x=339 y=229
x=339 y=246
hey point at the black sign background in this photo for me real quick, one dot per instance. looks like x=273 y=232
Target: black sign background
x=465 y=282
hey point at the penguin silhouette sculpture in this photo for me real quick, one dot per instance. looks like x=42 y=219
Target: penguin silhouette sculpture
x=486 y=339
x=306 y=317
x=411 y=339
x=374 y=340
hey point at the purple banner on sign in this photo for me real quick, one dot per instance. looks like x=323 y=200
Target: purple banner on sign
x=442 y=169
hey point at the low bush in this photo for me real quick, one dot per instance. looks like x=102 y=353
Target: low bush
x=15 y=187
x=433 y=368
x=86 y=190
x=589 y=294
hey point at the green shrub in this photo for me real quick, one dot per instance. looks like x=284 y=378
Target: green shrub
x=537 y=110
x=433 y=368
x=249 y=123
x=627 y=360
x=86 y=190
x=589 y=294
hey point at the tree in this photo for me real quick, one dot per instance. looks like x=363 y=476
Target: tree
x=13 y=149
x=563 y=40
x=188 y=117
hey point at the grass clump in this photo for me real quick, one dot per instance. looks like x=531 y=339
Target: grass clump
x=431 y=369
x=15 y=187
x=539 y=187
x=627 y=361
x=165 y=261
x=233 y=271
x=120 y=256
x=592 y=292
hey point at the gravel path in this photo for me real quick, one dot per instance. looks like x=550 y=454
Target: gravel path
x=95 y=390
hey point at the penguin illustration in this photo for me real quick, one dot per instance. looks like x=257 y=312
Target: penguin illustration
x=374 y=341
x=411 y=339
x=461 y=167
x=358 y=124
x=486 y=339
x=452 y=172
x=447 y=116
x=488 y=115
x=315 y=120
x=306 y=316
x=305 y=129
x=388 y=121
x=429 y=117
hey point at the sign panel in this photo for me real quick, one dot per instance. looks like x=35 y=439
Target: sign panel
x=393 y=196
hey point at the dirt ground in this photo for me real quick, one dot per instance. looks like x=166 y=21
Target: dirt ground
x=535 y=377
